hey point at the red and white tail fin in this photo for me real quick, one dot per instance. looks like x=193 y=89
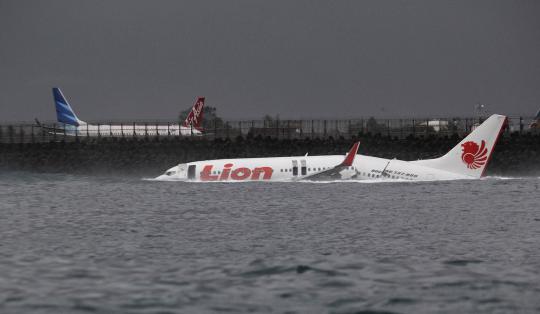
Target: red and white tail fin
x=195 y=116
x=471 y=156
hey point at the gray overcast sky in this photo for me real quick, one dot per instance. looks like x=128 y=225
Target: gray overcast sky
x=299 y=59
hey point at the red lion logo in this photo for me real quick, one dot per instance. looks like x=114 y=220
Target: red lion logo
x=473 y=155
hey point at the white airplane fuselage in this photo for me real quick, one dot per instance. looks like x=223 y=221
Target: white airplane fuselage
x=124 y=130
x=299 y=167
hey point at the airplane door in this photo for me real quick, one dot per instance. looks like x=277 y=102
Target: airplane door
x=191 y=172
x=295 y=167
x=303 y=167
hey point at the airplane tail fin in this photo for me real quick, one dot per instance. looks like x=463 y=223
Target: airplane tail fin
x=472 y=155
x=64 y=113
x=195 y=116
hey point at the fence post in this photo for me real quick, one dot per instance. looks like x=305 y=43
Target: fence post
x=10 y=133
x=122 y=129
x=98 y=131
x=21 y=133
x=168 y=130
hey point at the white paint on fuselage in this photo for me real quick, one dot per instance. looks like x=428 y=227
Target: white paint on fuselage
x=125 y=130
x=363 y=168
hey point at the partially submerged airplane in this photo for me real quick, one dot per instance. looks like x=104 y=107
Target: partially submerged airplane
x=69 y=124
x=467 y=160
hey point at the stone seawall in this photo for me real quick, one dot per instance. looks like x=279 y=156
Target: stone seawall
x=515 y=155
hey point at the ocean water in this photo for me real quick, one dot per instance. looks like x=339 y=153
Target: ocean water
x=98 y=244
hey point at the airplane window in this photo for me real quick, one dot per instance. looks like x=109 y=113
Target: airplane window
x=280 y=170
x=319 y=169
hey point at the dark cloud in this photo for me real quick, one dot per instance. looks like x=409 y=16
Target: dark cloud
x=150 y=59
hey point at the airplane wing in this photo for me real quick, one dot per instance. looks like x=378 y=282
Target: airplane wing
x=45 y=127
x=334 y=173
x=52 y=130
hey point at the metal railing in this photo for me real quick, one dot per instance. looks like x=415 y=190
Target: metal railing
x=281 y=129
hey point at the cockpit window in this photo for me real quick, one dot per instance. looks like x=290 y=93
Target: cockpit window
x=170 y=173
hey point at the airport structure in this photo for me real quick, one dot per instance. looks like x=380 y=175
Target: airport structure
x=52 y=131
x=68 y=127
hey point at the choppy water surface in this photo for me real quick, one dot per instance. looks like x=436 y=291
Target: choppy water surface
x=71 y=244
